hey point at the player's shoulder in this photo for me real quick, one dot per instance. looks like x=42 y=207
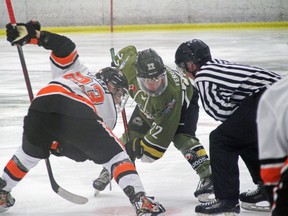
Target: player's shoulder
x=129 y=50
x=277 y=93
x=173 y=76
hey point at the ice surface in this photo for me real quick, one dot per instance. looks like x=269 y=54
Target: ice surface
x=171 y=180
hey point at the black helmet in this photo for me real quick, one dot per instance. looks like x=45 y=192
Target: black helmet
x=194 y=50
x=149 y=64
x=113 y=75
x=117 y=85
x=151 y=73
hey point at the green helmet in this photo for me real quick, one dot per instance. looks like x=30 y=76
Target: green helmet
x=149 y=64
x=151 y=73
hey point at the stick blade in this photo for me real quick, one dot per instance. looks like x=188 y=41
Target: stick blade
x=74 y=198
x=71 y=197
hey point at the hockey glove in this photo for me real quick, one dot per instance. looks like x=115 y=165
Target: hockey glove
x=22 y=33
x=134 y=148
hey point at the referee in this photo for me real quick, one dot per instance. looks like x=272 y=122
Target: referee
x=229 y=93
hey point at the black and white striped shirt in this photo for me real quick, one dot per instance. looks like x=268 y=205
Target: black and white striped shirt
x=223 y=85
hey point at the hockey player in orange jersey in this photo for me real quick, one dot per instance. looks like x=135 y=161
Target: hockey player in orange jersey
x=73 y=117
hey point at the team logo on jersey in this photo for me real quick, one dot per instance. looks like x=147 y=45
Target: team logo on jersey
x=147 y=114
x=169 y=106
x=143 y=98
x=132 y=88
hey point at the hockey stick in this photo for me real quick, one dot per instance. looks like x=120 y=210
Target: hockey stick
x=20 y=51
x=125 y=122
x=56 y=188
x=123 y=112
x=74 y=198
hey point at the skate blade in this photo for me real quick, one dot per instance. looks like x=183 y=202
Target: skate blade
x=3 y=209
x=256 y=206
x=96 y=192
x=151 y=214
x=203 y=198
x=225 y=214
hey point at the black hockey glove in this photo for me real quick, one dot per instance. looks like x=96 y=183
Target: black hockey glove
x=134 y=148
x=22 y=33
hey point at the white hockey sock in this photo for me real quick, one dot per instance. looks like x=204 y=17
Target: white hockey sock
x=17 y=167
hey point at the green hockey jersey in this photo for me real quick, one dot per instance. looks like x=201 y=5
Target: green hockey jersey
x=161 y=112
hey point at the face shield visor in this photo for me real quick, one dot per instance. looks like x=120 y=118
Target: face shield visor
x=153 y=86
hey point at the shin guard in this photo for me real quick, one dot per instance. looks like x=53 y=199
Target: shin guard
x=194 y=153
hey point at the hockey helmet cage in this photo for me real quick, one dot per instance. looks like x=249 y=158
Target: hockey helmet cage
x=195 y=51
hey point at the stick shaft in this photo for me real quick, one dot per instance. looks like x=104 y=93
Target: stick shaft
x=125 y=122
x=20 y=52
x=10 y=12
x=123 y=112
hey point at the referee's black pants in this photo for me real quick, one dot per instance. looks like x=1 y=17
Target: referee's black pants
x=235 y=137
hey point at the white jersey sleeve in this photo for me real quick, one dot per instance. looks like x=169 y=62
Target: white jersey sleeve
x=74 y=75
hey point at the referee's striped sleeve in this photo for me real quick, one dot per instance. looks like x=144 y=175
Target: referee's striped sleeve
x=223 y=85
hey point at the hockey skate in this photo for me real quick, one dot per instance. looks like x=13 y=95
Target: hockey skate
x=215 y=207
x=144 y=205
x=6 y=199
x=102 y=181
x=255 y=200
x=204 y=191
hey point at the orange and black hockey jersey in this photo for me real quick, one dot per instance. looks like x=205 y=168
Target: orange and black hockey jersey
x=73 y=83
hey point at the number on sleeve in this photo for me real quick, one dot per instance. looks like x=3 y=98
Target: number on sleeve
x=96 y=94
x=157 y=130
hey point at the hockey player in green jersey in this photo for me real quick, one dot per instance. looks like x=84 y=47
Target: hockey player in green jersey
x=167 y=111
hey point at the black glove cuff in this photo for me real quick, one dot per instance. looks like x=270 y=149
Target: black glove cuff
x=60 y=45
x=31 y=30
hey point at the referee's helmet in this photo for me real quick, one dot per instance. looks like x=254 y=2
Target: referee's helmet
x=195 y=51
